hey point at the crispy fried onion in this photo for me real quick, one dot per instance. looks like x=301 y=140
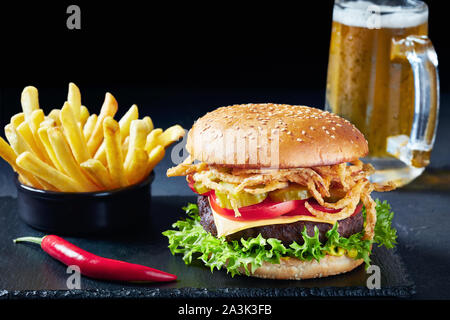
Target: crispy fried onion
x=390 y=185
x=185 y=169
x=207 y=178
x=274 y=185
x=371 y=213
x=346 y=175
x=254 y=177
x=360 y=192
x=347 y=178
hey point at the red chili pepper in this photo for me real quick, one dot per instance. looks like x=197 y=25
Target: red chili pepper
x=94 y=266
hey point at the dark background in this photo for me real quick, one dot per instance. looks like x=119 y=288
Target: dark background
x=220 y=45
x=136 y=50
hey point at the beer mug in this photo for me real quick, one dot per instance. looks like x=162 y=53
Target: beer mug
x=382 y=77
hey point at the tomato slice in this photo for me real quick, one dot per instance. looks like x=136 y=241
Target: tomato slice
x=264 y=210
x=269 y=209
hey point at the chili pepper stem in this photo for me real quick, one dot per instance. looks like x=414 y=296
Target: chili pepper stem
x=29 y=239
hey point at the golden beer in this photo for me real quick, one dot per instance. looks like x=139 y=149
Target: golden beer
x=371 y=79
x=366 y=86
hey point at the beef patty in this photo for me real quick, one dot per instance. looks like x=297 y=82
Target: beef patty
x=287 y=233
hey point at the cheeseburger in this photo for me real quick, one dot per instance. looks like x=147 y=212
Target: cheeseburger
x=282 y=194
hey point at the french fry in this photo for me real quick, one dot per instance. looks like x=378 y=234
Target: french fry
x=29 y=100
x=7 y=153
x=34 y=122
x=70 y=150
x=98 y=173
x=137 y=166
x=89 y=126
x=24 y=130
x=139 y=130
x=125 y=144
x=109 y=109
x=171 y=135
x=67 y=160
x=17 y=119
x=46 y=185
x=15 y=139
x=125 y=121
x=114 y=155
x=55 y=115
x=152 y=139
x=124 y=124
x=149 y=122
x=155 y=156
x=74 y=100
x=43 y=135
x=48 y=123
x=60 y=181
x=73 y=134
x=35 y=119
x=84 y=115
x=19 y=145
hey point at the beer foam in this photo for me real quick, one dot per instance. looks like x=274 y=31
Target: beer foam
x=365 y=14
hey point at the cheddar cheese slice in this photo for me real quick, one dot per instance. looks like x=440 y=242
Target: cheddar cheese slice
x=226 y=226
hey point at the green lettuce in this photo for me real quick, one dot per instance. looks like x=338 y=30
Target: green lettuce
x=193 y=242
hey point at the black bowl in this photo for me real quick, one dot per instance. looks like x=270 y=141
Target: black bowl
x=70 y=213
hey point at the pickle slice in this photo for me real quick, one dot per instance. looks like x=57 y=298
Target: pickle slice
x=232 y=200
x=200 y=188
x=292 y=192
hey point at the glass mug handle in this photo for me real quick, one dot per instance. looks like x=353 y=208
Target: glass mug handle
x=419 y=52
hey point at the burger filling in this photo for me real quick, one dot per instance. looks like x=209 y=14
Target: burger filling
x=304 y=213
x=330 y=193
x=287 y=232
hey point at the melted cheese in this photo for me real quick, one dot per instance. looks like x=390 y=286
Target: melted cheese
x=226 y=226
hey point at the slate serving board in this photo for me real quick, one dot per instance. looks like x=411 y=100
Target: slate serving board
x=27 y=272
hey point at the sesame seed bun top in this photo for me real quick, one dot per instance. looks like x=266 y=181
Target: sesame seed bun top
x=274 y=135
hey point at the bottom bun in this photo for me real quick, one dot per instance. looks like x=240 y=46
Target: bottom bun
x=295 y=269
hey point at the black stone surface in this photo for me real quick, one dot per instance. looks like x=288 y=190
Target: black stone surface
x=417 y=269
x=31 y=273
